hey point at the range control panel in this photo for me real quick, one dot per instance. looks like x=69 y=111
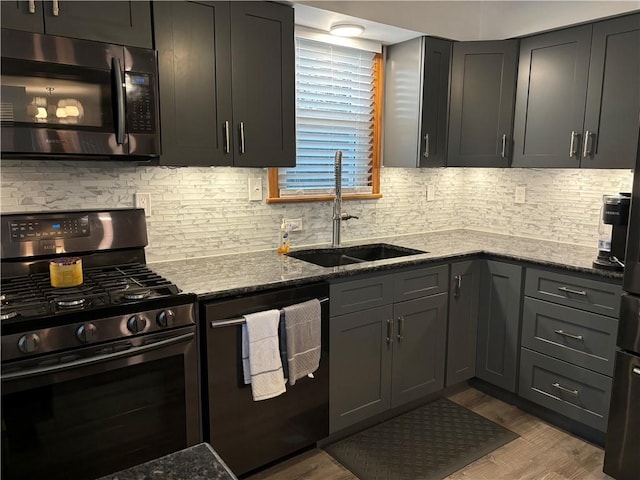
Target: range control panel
x=23 y=230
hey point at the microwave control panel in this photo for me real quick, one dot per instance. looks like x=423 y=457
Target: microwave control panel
x=140 y=103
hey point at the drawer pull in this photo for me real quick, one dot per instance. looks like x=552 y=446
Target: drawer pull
x=573 y=393
x=576 y=292
x=636 y=370
x=570 y=335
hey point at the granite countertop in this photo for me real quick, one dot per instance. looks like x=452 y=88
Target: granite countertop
x=219 y=276
x=199 y=462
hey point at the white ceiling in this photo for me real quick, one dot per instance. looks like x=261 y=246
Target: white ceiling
x=394 y=21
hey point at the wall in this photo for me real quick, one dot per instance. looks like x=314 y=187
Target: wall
x=205 y=211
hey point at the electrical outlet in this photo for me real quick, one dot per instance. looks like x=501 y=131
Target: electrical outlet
x=520 y=194
x=293 y=224
x=431 y=193
x=255 y=189
x=143 y=200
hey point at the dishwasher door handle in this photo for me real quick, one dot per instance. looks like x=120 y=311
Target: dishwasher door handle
x=230 y=322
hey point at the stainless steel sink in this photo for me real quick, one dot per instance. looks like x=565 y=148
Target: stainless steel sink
x=334 y=257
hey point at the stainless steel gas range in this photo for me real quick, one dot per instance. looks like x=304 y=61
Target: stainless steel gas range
x=99 y=375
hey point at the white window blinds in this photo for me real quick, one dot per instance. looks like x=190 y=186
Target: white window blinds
x=334 y=111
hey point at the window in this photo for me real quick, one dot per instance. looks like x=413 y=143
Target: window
x=338 y=100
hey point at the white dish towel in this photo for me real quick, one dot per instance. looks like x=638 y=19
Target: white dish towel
x=302 y=322
x=261 y=361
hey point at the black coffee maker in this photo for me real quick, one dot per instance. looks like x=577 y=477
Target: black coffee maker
x=612 y=231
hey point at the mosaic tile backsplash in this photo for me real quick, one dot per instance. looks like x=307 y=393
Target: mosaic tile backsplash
x=206 y=211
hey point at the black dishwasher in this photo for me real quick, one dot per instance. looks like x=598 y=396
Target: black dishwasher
x=248 y=434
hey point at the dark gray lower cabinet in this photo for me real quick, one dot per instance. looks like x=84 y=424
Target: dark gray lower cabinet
x=464 y=286
x=359 y=365
x=387 y=355
x=498 y=322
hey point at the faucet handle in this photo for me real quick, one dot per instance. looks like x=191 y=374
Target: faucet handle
x=346 y=216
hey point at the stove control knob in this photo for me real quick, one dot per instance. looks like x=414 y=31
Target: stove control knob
x=29 y=343
x=165 y=318
x=136 y=323
x=86 y=332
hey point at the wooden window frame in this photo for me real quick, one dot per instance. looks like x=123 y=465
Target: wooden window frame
x=376 y=140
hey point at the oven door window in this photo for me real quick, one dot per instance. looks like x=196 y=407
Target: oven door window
x=94 y=425
x=56 y=96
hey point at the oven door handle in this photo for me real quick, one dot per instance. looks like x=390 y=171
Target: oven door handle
x=98 y=358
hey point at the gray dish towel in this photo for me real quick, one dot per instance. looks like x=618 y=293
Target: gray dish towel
x=302 y=322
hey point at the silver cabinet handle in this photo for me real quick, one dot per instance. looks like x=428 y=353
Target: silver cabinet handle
x=458 y=286
x=636 y=370
x=570 y=335
x=573 y=393
x=389 y=331
x=227 y=140
x=426 y=146
x=576 y=292
x=242 y=150
x=504 y=145
x=585 y=151
x=572 y=146
x=56 y=8
x=32 y=6
x=400 y=328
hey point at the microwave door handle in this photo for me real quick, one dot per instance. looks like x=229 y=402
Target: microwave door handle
x=116 y=68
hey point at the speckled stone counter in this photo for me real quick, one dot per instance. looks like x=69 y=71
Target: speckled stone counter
x=195 y=463
x=218 y=276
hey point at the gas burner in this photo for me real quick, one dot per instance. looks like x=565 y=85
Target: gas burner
x=73 y=303
x=137 y=295
x=8 y=315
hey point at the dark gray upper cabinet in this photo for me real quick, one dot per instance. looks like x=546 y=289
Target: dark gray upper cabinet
x=578 y=99
x=483 y=83
x=464 y=286
x=227 y=83
x=416 y=103
x=498 y=323
x=192 y=40
x=120 y=22
x=550 y=98
x=613 y=95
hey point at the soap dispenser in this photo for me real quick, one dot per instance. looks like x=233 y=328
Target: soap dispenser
x=283 y=238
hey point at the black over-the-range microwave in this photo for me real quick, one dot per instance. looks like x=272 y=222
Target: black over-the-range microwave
x=66 y=97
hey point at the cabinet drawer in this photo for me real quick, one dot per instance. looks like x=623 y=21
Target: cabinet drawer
x=583 y=338
x=582 y=293
x=354 y=295
x=420 y=283
x=572 y=391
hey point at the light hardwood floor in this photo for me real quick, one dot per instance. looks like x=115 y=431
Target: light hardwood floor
x=542 y=452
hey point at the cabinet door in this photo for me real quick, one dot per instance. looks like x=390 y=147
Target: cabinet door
x=435 y=103
x=120 y=22
x=263 y=72
x=22 y=15
x=483 y=84
x=420 y=330
x=613 y=96
x=498 y=323
x=192 y=40
x=359 y=366
x=550 y=98
x=464 y=295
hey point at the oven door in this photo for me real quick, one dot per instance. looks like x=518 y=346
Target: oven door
x=99 y=410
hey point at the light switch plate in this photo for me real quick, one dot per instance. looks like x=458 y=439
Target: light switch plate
x=255 y=189
x=520 y=194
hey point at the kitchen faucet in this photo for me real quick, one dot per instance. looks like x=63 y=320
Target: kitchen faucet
x=338 y=216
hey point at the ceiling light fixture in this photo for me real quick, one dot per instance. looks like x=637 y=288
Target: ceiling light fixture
x=346 y=30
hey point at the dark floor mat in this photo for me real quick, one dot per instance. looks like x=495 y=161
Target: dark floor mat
x=427 y=443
